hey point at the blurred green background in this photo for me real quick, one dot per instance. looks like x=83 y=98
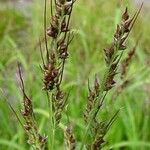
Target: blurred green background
x=94 y=22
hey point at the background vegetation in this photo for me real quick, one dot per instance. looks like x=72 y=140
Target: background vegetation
x=21 y=25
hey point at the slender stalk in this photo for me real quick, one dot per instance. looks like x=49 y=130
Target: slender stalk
x=45 y=27
x=51 y=6
x=50 y=119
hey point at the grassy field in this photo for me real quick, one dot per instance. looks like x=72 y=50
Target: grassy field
x=94 y=23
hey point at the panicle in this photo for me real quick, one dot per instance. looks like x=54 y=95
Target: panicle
x=30 y=126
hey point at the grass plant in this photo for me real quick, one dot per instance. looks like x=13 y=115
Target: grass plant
x=74 y=98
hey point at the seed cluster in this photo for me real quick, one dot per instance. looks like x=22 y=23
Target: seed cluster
x=112 y=53
x=69 y=137
x=34 y=138
x=93 y=94
x=53 y=69
x=58 y=105
x=125 y=63
x=50 y=73
x=124 y=70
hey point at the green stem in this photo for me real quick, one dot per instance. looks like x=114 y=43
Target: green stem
x=50 y=143
x=53 y=135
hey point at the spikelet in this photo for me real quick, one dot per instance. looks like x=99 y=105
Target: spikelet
x=59 y=104
x=125 y=63
x=50 y=74
x=70 y=138
x=93 y=94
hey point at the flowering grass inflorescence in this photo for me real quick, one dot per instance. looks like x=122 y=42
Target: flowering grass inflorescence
x=58 y=37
